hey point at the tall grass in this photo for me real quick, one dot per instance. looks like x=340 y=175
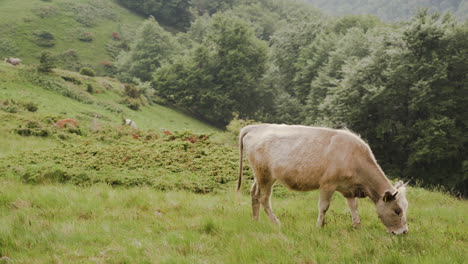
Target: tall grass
x=69 y=224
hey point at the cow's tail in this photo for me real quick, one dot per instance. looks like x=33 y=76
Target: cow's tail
x=242 y=134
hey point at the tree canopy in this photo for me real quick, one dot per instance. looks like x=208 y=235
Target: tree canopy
x=402 y=87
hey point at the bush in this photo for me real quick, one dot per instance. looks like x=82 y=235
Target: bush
x=86 y=36
x=44 y=38
x=132 y=103
x=46 y=62
x=71 y=79
x=90 y=88
x=31 y=107
x=134 y=106
x=12 y=106
x=11 y=109
x=87 y=71
x=46 y=11
x=132 y=91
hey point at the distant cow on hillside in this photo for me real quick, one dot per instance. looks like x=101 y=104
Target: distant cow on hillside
x=309 y=158
x=68 y=122
x=13 y=61
x=131 y=123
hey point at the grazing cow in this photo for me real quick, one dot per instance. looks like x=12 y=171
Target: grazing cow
x=309 y=158
x=68 y=122
x=131 y=123
x=13 y=61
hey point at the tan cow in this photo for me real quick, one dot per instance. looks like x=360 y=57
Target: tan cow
x=13 y=61
x=309 y=158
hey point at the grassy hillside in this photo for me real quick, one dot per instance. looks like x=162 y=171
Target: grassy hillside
x=57 y=99
x=22 y=22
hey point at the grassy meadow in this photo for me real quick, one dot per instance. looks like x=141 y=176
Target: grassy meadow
x=68 y=21
x=62 y=223
x=104 y=193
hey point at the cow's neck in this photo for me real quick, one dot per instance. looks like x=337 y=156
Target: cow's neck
x=376 y=183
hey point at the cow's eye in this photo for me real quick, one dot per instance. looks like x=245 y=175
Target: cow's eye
x=398 y=211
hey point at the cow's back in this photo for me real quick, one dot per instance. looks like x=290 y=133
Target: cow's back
x=301 y=157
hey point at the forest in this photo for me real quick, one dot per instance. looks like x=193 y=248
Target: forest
x=403 y=87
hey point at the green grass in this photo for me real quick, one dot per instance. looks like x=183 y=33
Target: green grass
x=15 y=85
x=20 y=19
x=69 y=224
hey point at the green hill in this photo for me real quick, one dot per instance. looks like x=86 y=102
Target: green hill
x=63 y=94
x=93 y=30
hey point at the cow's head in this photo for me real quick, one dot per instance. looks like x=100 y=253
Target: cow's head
x=392 y=207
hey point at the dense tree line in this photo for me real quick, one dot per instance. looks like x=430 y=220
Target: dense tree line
x=403 y=88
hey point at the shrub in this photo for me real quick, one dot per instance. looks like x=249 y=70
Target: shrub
x=90 y=88
x=46 y=62
x=44 y=38
x=132 y=103
x=87 y=71
x=11 y=109
x=46 y=11
x=86 y=36
x=132 y=91
x=71 y=79
x=31 y=107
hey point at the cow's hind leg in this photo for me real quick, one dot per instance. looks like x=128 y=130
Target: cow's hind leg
x=353 y=206
x=255 y=194
x=323 y=205
x=265 y=199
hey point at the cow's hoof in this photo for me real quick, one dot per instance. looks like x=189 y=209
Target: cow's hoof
x=357 y=225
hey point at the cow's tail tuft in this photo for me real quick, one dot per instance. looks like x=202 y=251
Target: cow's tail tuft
x=242 y=134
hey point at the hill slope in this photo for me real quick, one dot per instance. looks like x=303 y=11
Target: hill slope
x=57 y=98
x=93 y=29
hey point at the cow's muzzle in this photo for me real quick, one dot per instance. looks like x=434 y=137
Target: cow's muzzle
x=402 y=231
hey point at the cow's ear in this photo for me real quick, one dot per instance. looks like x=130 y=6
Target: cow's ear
x=388 y=196
x=399 y=184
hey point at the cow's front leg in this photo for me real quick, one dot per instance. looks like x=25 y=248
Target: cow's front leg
x=323 y=205
x=353 y=206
